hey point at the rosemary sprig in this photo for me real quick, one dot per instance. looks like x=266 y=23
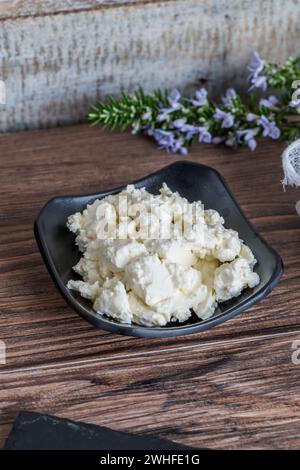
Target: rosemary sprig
x=176 y=122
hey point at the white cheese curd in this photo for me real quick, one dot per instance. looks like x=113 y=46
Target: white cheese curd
x=144 y=315
x=87 y=290
x=232 y=278
x=153 y=259
x=149 y=278
x=113 y=300
x=176 y=251
x=228 y=245
x=207 y=307
x=120 y=252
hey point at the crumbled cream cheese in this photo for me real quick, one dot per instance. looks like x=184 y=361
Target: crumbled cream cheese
x=231 y=278
x=153 y=259
x=113 y=300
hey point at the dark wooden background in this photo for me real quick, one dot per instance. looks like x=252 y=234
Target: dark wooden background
x=234 y=386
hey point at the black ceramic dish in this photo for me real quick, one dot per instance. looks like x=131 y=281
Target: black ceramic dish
x=195 y=182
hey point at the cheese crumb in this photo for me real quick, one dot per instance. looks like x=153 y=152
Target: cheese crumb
x=154 y=259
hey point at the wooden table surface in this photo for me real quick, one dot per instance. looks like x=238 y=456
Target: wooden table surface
x=232 y=387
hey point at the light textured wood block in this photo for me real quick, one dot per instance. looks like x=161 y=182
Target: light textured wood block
x=56 y=61
x=16 y=8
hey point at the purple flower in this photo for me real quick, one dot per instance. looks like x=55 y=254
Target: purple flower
x=259 y=82
x=270 y=102
x=183 y=151
x=256 y=67
x=148 y=130
x=146 y=116
x=179 y=123
x=218 y=140
x=251 y=144
x=163 y=137
x=204 y=135
x=248 y=137
x=173 y=100
x=168 y=141
x=162 y=117
x=200 y=98
x=226 y=118
x=190 y=131
x=229 y=95
x=251 y=117
x=269 y=128
x=294 y=104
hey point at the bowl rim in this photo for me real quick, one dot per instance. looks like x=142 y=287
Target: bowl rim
x=105 y=323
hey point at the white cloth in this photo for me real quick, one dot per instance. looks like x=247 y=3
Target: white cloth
x=291 y=167
x=291 y=164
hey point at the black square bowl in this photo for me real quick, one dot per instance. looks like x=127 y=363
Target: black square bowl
x=191 y=180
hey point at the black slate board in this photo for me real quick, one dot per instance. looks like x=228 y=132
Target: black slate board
x=35 y=431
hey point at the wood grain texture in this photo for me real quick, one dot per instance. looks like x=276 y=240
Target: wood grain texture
x=239 y=395
x=236 y=386
x=22 y=8
x=55 y=65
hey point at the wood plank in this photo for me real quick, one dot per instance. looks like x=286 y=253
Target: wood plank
x=23 y=8
x=235 y=386
x=243 y=394
x=37 y=325
x=56 y=64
